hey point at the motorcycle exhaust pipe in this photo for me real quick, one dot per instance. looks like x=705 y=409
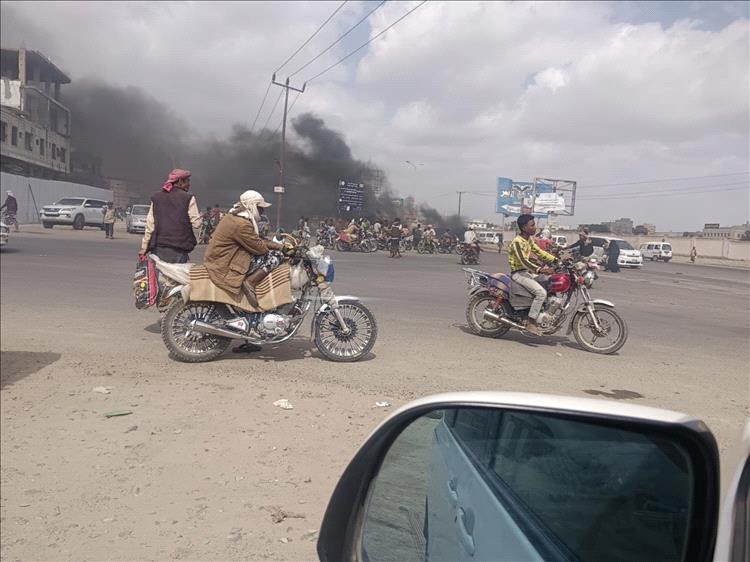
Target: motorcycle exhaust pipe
x=489 y=315
x=205 y=328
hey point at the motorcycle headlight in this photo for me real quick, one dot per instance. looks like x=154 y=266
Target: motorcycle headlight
x=588 y=279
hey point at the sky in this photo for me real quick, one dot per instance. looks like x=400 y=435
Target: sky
x=602 y=93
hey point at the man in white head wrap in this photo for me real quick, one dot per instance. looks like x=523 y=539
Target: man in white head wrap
x=237 y=257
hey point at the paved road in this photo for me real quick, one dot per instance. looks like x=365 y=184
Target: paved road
x=200 y=465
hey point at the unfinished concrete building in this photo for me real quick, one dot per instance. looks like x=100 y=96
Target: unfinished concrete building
x=34 y=125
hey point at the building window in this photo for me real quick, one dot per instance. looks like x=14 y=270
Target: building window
x=53 y=152
x=3 y=131
x=42 y=144
x=27 y=141
x=14 y=136
x=62 y=155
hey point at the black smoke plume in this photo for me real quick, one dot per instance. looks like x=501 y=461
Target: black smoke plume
x=139 y=139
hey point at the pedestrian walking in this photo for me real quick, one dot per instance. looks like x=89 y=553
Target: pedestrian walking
x=110 y=215
x=172 y=216
x=499 y=242
x=693 y=254
x=395 y=238
x=613 y=255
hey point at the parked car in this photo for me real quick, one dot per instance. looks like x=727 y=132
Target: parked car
x=74 y=211
x=629 y=256
x=515 y=476
x=655 y=251
x=136 y=220
x=4 y=233
x=560 y=240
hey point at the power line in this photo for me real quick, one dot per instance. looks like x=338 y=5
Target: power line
x=329 y=47
x=671 y=193
x=363 y=45
x=322 y=25
x=273 y=108
x=261 y=107
x=662 y=180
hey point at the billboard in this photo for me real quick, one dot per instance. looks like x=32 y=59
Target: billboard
x=351 y=196
x=542 y=197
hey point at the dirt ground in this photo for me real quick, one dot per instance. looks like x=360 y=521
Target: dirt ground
x=206 y=467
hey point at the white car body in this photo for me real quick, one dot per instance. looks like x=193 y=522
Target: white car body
x=74 y=211
x=136 y=220
x=4 y=233
x=629 y=256
x=656 y=251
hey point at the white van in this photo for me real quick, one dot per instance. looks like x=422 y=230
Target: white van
x=655 y=251
x=560 y=240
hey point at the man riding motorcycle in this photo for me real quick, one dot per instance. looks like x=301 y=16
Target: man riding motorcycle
x=429 y=235
x=471 y=240
x=524 y=269
x=237 y=258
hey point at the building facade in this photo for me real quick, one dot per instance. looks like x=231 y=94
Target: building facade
x=34 y=125
x=715 y=230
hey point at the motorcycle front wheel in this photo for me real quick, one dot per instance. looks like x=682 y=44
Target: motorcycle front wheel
x=187 y=345
x=340 y=246
x=369 y=246
x=612 y=336
x=475 y=317
x=334 y=344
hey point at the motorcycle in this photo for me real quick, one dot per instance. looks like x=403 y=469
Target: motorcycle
x=470 y=254
x=343 y=329
x=446 y=246
x=346 y=243
x=497 y=304
x=326 y=239
x=406 y=244
x=207 y=229
x=426 y=246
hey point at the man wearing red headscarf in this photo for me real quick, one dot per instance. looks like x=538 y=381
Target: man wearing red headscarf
x=171 y=219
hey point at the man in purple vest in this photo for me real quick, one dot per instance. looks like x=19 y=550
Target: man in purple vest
x=171 y=219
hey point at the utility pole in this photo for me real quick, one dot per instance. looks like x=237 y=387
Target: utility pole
x=286 y=87
x=460 y=193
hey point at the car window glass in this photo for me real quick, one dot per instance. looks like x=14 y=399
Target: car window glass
x=471 y=428
x=667 y=247
x=140 y=210
x=73 y=202
x=606 y=493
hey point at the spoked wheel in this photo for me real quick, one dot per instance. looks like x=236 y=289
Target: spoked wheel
x=611 y=337
x=340 y=246
x=336 y=345
x=476 y=320
x=186 y=344
x=369 y=246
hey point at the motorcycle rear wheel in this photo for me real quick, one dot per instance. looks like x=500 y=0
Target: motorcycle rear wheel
x=586 y=336
x=334 y=345
x=188 y=346
x=474 y=317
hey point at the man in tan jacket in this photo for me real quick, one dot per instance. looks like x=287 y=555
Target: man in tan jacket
x=236 y=256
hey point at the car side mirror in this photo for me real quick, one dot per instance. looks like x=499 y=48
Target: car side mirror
x=511 y=476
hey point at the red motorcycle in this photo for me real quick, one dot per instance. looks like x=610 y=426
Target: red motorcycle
x=346 y=243
x=497 y=304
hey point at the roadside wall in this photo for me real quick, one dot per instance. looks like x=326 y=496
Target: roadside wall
x=706 y=247
x=45 y=192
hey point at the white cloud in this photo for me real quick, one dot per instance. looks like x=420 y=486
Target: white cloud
x=472 y=90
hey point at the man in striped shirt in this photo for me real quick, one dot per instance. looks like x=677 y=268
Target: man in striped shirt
x=524 y=268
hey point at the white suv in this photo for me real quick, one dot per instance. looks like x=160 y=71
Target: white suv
x=74 y=211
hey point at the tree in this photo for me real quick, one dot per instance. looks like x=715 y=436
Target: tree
x=746 y=236
x=640 y=230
